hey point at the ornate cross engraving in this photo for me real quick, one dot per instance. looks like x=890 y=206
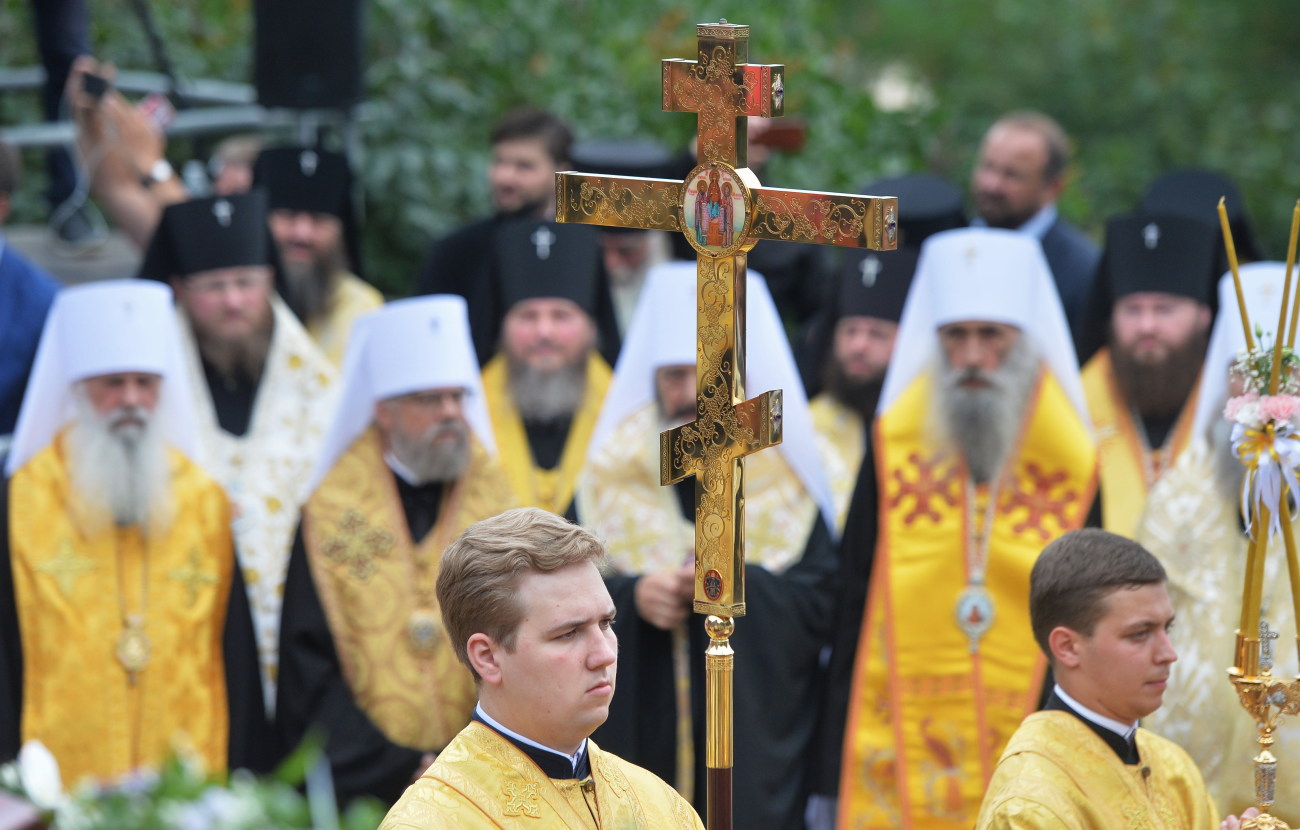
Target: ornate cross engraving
x=357 y=544
x=192 y=577
x=723 y=212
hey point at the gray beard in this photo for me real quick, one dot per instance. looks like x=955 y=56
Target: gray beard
x=985 y=421
x=547 y=396
x=309 y=288
x=429 y=459
x=119 y=476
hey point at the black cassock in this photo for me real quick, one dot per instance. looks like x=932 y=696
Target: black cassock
x=313 y=693
x=252 y=744
x=777 y=684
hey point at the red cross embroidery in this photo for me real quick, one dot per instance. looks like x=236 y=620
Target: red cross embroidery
x=1036 y=499
x=925 y=487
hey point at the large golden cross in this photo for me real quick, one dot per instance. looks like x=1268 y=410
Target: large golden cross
x=723 y=212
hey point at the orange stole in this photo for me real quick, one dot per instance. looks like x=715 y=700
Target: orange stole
x=930 y=718
x=77 y=698
x=371 y=578
x=1128 y=466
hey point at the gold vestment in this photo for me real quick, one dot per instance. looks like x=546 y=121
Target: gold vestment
x=1057 y=774
x=482 y=781
x=72 y=593
x=1128 y=467
x=929 y=714
x=535 y=487
x=841 y=442
x=376 y=587
x=332 y=330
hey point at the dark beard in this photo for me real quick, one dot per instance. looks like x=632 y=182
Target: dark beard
x=241 y=361
x=309 y=288
x=861 y=396
x=1159 y=390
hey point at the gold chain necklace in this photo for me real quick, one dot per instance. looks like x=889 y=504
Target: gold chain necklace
x=133 y=646
x=975 y=604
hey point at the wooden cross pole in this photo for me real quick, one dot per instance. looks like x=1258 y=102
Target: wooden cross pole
x=724 y=212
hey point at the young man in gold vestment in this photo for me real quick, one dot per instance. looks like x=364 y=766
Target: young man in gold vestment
x=527 y=610
x=408 y=464
x=125 y=633
x=1101 y=613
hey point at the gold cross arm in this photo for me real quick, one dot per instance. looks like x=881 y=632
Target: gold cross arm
x=618 y=202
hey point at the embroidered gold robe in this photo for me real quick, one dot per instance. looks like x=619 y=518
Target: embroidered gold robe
x=841 y=442
x=481 y=780
x=266 y=471
x=375 y=584
x=332 y=330
x=533 y=486
x=72 y=591
x=1128 y=467
x=1192 y=525
x=1057 y=774
x=928 y=714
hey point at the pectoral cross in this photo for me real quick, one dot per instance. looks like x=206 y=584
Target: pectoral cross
x=723 y=212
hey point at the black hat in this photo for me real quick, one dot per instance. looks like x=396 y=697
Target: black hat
x=314 y=181
x=927 y=204
x=1196 y=193
x=209 y=233
x=537 y=258
x=875 y=283
x=1167 y=253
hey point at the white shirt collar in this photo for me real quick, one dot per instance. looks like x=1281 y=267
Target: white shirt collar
x=1036 y=225
x=505 y=730
x=1125 y=731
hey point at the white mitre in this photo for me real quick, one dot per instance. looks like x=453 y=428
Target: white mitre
x=1261 y=285
x=985 y=274
x=406 y=346
x=662 y=333
x=103 y=328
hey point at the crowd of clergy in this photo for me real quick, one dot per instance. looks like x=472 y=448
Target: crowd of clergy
x=229 y=478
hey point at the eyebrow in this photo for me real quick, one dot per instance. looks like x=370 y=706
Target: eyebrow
x=565 y=626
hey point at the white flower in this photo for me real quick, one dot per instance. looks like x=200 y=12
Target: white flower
x=39 y=772
x=1248 y=415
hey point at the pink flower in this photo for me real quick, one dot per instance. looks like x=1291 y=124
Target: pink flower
x=1278 y=408
x=1233 y=409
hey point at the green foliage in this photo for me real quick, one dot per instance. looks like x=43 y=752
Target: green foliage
x=1141 y=88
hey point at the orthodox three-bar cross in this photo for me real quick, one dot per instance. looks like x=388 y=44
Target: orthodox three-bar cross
x=723 y=211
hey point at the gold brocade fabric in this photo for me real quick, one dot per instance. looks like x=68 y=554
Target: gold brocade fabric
x=482 y=781
x=72 y=592
x=1128 y=467
x=1056 y=773
x=1193 y=526
x=333 y=329
x=375 y=583
x=841 y=442
x=534 y=487
x=929 y=717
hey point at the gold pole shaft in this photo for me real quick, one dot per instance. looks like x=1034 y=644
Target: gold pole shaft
x=1236 y=274
x=720 y=752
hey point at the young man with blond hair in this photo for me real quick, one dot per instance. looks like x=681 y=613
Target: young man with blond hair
x=527 y=611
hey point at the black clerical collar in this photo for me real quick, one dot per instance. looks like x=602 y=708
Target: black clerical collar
x=1124 y=747
x=552 y=762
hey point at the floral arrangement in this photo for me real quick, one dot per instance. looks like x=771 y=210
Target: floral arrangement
x=1266 y=427
x=181 y=796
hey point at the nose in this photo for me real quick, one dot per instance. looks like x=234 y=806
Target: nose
x=1165 y=653
x=971 y=354
x=132 y=393
x=605 y=650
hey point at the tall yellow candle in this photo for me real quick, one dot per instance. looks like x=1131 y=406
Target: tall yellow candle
x=1236 y=274
x=1290 y=263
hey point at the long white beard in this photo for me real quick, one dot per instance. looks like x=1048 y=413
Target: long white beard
x=119 y=476
x=985 y=421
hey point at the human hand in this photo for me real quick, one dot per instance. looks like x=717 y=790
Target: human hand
x=659 y=599
x=1234 y=823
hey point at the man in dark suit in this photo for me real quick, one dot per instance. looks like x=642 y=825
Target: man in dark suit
x=1016 y=181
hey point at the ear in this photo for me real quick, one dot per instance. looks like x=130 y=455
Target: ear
x=382 y=418
x=482 y=652
x=1065 y=644
x=1204 y=317
x=1056 y=187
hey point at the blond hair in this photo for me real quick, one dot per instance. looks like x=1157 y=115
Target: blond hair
x=479 y=577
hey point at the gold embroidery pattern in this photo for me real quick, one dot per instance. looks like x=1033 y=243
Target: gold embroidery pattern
x=65 y=566
x=521 y=799
x=193 y=577
x=358 y=544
